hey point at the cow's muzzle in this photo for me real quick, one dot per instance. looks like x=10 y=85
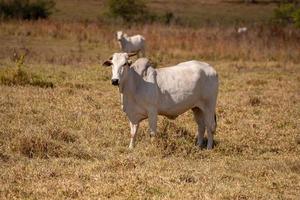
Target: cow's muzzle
x=115 y=81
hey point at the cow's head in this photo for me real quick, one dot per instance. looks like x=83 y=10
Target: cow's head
x=119 y=35
x=120 y=63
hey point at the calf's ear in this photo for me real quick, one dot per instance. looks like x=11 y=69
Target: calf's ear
x=107 y=63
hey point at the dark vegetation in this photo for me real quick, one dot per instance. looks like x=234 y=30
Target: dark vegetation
x=138 y=11
x=135 y=11
x=26 y=9
x=128 y=10
x=287 y=13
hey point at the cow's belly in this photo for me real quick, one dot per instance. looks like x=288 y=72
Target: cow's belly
x=133 y=48
x=172 y=107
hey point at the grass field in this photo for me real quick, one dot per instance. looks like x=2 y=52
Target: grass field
x=189 y=13
x=63 y=134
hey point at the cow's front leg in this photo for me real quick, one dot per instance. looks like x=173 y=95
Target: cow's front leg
x=133 y=130
x=152 y=115
x=121 y=100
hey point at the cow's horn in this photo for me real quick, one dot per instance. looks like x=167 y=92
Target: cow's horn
x=131 y=54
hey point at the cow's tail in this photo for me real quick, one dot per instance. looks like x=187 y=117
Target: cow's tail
x=215 y=128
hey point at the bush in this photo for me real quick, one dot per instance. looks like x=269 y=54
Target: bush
x=128 y=10
x=283 y=14
x=26 y=9
x=296 y=17
x=134 y=11
x=287 y=13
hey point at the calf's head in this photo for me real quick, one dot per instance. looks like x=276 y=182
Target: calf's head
x=120 y=63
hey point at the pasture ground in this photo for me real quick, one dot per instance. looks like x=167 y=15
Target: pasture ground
x=63 y=134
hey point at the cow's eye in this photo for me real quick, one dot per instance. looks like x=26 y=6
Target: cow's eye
x=120 y=70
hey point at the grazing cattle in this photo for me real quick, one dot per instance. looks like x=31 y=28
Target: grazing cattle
x=169 y=91
x=133 y=44
x=242 y=30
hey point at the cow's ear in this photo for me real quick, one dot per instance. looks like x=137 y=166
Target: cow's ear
x=107 y=63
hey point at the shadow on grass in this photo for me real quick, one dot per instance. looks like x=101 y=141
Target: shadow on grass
x=174 y=140
x=55 y=143
x=22 y=78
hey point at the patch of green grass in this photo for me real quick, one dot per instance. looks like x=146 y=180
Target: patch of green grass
x=200 y=13
x=90 y=10
x=196 y=13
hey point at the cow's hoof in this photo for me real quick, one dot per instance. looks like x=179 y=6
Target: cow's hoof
x=209 y=147
x=200 y=144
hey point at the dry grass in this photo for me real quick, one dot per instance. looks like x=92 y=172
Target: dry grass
x=80 y=43
x=70 y=141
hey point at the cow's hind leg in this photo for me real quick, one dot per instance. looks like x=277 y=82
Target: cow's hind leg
x=210 y=123
x=152 y=117
x=199 y=118
x=133 y=130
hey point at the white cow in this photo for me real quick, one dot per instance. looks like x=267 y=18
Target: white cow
x=169 y=91
x=133 y=44
x=242 y=30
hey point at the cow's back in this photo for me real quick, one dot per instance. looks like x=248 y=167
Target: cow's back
x=184 y=85
x=137 y=42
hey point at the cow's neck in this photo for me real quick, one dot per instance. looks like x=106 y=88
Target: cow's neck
x=136 y=90
x=129 y=86
x=123 y=42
